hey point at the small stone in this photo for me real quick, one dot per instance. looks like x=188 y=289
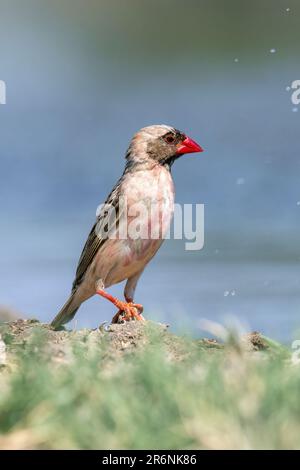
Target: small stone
x=2 y=352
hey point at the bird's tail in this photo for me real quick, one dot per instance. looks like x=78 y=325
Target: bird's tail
x=66 y=314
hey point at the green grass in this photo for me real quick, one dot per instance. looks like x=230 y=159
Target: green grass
x=211 y=398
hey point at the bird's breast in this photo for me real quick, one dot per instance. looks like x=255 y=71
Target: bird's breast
x=146 y=211
x=150 y=199
x=150 y=206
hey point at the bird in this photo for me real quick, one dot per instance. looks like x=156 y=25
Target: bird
x=121 y=243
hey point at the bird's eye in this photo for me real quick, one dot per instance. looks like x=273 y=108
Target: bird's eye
x=170 y=138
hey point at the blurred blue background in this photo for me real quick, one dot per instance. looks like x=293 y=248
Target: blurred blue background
x=82 y=76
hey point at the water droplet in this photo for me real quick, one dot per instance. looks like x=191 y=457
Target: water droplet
x=272 y=51
x=288 y=88
x=298 y=203
x=295 y=110
x=287 y=9
x=226 y=293
x=236 y=60
x=240 y=181
x=232 y=293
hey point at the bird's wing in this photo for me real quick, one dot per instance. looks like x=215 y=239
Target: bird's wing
x=95 y=241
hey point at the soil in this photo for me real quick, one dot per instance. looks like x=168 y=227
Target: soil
x=111 y=340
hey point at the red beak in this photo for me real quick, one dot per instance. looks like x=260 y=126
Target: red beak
x=189 y=146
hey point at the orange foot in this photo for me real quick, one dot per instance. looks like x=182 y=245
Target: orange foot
x=127 y=310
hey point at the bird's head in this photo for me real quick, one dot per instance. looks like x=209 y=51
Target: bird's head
x=160 y=143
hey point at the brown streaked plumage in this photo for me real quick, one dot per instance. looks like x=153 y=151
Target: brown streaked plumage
x=108 y=260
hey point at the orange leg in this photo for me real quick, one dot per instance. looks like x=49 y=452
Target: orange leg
x=127 y=310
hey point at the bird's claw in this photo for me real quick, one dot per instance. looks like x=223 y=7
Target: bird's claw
x=128 y=311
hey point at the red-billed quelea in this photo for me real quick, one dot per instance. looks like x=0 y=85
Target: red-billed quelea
x=110 y=259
